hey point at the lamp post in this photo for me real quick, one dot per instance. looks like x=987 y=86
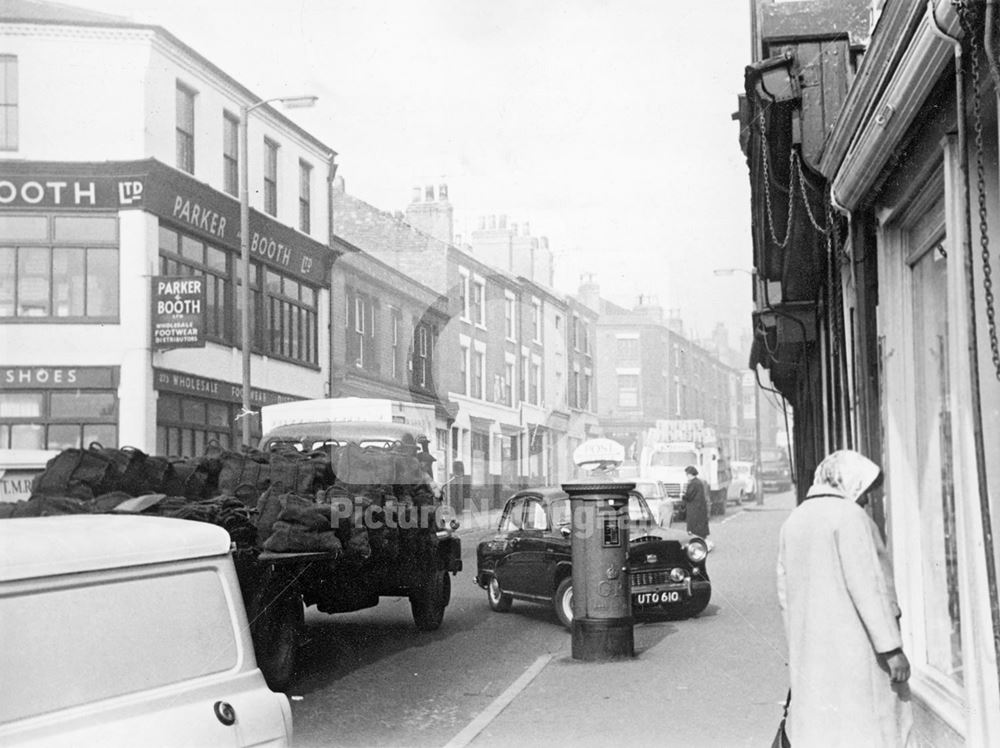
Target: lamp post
x=292 y=102
x=758 y=485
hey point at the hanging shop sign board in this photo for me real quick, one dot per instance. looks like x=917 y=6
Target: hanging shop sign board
x=178 y=311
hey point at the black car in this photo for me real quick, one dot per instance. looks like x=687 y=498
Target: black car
x=530 y=559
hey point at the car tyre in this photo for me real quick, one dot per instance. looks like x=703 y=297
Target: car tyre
x=499 y=600
x=428 y=602
x=699 y=601
x=276 y=624
x=563 y=602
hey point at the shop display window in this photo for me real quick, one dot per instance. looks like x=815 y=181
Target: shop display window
x=58 y=419
x=59 y=267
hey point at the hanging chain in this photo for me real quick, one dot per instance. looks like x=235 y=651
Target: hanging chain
x=984 y=238
x=805 y=198
x=767 y=187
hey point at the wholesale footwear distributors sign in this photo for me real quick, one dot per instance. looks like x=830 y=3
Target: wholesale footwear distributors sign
x=178 y=311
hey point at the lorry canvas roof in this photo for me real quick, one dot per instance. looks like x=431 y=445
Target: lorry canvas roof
x=346 y=409
x=343 y=431
x=34 y=547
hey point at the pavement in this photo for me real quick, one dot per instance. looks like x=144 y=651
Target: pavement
x=716 y=680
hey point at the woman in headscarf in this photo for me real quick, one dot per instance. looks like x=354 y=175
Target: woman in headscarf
x=696 y=505
x=847 y=668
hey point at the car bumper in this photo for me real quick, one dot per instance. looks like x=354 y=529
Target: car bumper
x=663 y=598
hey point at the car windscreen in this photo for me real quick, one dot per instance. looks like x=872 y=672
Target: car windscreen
x=672 y=459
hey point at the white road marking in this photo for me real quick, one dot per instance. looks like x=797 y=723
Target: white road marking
x=500 y=703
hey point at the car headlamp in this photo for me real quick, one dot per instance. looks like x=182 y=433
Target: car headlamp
x=697 y=550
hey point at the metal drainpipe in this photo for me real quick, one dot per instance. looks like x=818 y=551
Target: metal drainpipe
x=977 y=413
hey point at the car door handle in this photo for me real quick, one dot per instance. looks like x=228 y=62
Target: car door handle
x=225 y=713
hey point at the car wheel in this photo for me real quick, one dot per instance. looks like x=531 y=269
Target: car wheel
x=275 y=627
x=428 y=603
x=698 y=603
x=563 y=602
x=499 y=600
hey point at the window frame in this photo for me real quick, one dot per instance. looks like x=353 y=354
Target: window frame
x=305 y=196
x=230 y=159
x=184 y=137
x=10 y=105
x=270 y=177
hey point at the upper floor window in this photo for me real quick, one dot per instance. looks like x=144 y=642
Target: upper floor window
x=508 y=383
x=478 y=305
x=585 y=334
x=534 y=382
x=270 y=177
x=510 y=316
x=185 y=129
x=536 y=320
x=463 y=370
x=8 y=103
x=59 y=266
x=463 y=294
x=627 y=349
x=628 y=391
x=361 y=336
x=478 y=372
x=230 y=153
x=395 y=323
x=305 y=197
x=421 y=356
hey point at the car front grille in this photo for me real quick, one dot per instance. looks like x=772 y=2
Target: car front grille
x=647 y=578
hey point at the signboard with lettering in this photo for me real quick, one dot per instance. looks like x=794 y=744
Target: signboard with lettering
x=178 y=311
x=58 y=377
x=167 y=380
x=172 y=195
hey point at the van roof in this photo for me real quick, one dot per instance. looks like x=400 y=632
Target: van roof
x=33 y=547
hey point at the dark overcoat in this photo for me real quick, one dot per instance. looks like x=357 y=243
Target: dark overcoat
x=696 y=506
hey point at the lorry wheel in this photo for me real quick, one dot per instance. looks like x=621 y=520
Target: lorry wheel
x=275 y=628
x=428 y=603
x=499 y=600
x=563 y=602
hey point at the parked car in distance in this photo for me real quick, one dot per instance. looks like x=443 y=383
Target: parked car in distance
x=655 y=494
x=119 y=630
x=744 y=484
x=530 y=559
x=775 y=470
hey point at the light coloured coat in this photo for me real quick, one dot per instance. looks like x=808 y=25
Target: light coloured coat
x=840 y=611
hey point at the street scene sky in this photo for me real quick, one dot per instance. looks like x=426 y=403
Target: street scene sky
x=603 y=124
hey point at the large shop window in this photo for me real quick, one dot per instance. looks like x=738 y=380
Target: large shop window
x=283 y=315
x=186 y=425
x=933 y=450
x=59 y=267
x=8 y=103
x=58 y=419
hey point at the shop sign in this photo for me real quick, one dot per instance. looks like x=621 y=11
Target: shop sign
x=178 y=311
x=58 y=377
x=183 y=383
x=54 y=192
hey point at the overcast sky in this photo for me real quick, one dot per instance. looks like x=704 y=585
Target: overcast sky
x=605 y=124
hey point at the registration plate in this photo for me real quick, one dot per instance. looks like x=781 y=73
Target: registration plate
x=657 y=598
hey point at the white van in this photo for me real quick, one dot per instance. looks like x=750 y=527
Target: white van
x=124 y=631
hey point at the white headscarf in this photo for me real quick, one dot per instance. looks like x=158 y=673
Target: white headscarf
x=844 y=473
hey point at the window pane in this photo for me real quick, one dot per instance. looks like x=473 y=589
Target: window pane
x=8 y=280
x=21 y=404
x=86 y=229
x=102 y=282
x=291 y=288
x=218 y=415
x=192 y=249
x=68 y=282
x=64 y=436
x=169 y=240
x=104 y=434
x=215 y=258
x=193 y=411
x=273 y=281
x=24 y=228
x=308 y=296
x=82 y=404
x=168 y=408
x=33 y=290
x=27 y=436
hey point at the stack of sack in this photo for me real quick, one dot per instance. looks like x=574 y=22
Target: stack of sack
x=363 y=503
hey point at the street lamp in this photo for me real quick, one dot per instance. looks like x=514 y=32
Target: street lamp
x=292 y=102
x=758 y=484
